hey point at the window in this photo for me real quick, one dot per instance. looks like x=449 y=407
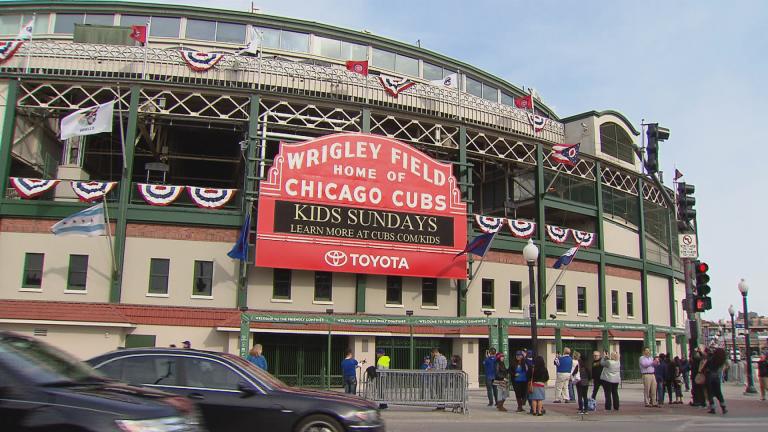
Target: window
x=352 y=51
x=406 y=65
x=281 y=284
x=560 y=298
x=323 y=286
x=507 y=99
x=158 y=275
x=65 y=23
x=78 y=272
x=131 y=20
x=474 y=87
x=95 y=19
x=204 y=373
x=614 y=303
x=33 y=270
x=394 y=290
x=153 y=370
x=487 y=295
x=230 y=32
x=614 y=141
x=327 y=47
x=165 y=27
x=516 y=295
x=630 y=304
x=292 y=41
x=581 y=293
x=383 y=59
x=429 y=292
x=270 y=37
x=202 y=30
x=490 y=93
x=203 y=283
x=11 y=24
x=432 y=72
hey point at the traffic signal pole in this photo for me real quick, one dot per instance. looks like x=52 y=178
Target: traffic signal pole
x=693 y=328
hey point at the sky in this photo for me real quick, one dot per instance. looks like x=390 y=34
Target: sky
x=697 y=67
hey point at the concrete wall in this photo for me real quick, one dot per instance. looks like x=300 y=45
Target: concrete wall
x=82 y=342
x=624 y=285
x=204 y=338
x=658 y=300
x=376 y=296
x=573 y=279
x=621 y=240
x=302 y=292
x=502 y=274
x=468 y=349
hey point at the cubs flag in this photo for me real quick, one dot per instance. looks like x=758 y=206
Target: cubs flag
x=89 y=222
x=567 y=154
x=88 y=121
x=358 y=66
x=479 y=245
x=139 y=33
x=566 y=258
x=525 y=102
x=240 y=249
x=450 y=81
x=26 y=30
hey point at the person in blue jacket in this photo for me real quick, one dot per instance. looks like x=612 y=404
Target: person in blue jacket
x=489 y=366
x=255 y=357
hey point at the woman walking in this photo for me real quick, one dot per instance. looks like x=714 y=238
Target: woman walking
x=677 y=382
x=519 y=370
x=581 y=378
x=539 y=378
x=501 y=382
x=611 y=377
x=713 y=369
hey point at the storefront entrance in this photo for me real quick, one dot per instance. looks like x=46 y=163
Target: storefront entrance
x=301 y=360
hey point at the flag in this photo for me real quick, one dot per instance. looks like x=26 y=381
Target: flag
x=26 y=31
x=252 y=41
x=88 y=121
x=139 y=33
x=525 y=102
x=358 y=66
x=89 y=222
x=240 y=249
x=678 y=174
x=566 y=258
x=450 y=81
x=480 y=244
x=566 y=154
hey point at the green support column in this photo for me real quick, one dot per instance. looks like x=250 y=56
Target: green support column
x=650 y=338
x=605 y=340
x=465 y=184
x=540 y=232
x=602 y=287
x=245 y=335
x=641 y=234
x=125 y=197
x=558 y=339
x=360 y=284
x=6 y=140
x=672 y=309
x=504 y=338
x=683 y=341
x=250 y=188
x=365 y=125
x=670 y=345
x=493 y=333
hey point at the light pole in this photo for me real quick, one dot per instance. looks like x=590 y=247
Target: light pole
x=744 y=288
x=409 y=314
x=531 y=254
x=732 y=312
x=328 y=363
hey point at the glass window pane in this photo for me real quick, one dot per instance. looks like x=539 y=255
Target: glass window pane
x=271 y=37
x=352 y=51
x=383 y=59
x=281 y=284
x=474 y=87
x=292 y=41
x=33 y=270
x=560 y=298
x=328 y=47
x=394 y=290
x=130 y=20
x=158 y=275
x=153 y=370
x=515 y=295
x=230 y=32
x=429 y=292
x=10 y=24
x=487 y=294
x=203 y=283
x=41 y=23
x=165 y=27
x=204 y=373
x=432 y=72
x=100 y=19
x=490 y=93
x=407 y=66
x=507 y=99
x=202 y=30
x=323 y=286
x=65 y=23
x=78 y=272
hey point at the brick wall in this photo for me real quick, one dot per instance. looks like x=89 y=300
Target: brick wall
x=623 y=272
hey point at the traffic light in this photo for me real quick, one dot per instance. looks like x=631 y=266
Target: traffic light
x=655 y=133
x=701 y=301
x=685 y=203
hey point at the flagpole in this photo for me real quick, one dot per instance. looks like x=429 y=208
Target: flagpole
x=146 y=45
x=482 y=260
x=109 y=232
x=29 y=50
x=122 y=132
x=562 y=272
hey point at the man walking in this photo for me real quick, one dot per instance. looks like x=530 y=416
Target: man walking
x=647 y=371
x=439 y=363
x=564 y=365
x=762 y=375
x=597 y=370
x=489 y=366
x=382 y=363
x=349 y=373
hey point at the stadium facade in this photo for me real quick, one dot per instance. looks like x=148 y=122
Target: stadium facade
x=196 y=146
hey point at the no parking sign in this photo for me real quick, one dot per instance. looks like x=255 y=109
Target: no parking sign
x=688 y=246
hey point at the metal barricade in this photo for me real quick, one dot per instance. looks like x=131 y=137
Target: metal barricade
x=440 y=389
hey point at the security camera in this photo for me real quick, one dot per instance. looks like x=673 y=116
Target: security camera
x=552 y=316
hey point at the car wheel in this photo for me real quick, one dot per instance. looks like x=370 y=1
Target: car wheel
x=319 y=423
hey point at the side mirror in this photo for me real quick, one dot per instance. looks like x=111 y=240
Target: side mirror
x=246 y=388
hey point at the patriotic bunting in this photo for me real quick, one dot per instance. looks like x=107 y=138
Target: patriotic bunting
x=583 y=238
x=210 y=197
x=521 y=228
x=89 y=191
x=31 y=187
x=200 y=61
x=159 y=195
x=8 y=49
x=393 y=85
x=489 y=224
x=557 y=234
x=538 y=122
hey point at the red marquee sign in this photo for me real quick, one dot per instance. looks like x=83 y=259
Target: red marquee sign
x=361 y=203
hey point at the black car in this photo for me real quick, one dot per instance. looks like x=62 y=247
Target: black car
x=235 y=395
x=44 y=389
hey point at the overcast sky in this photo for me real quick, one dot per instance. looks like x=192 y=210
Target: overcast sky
x=697 y=67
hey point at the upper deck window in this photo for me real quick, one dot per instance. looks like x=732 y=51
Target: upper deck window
x=383 y=59
x=11 y=24
x=284 y=39
x=614 y=141
x=230 y=32
x=433 y=72
x=474 y=87
x=490 y=93
x=65 y=23
x=338 y=49
x=202 y=30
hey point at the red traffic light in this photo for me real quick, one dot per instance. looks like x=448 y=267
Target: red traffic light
x=702 y=267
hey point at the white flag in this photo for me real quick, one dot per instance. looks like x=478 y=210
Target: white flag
x=89 y=222
x=253 y=40
x=450 y=81
x=88 y=121
x=26 y=31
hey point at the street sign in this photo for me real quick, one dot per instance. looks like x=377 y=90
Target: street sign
x=688 y=246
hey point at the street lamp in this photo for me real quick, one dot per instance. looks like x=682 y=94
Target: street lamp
x=409 y=314
x=744 y=288
x=328 y=367
x=531 y=254
x=732 y=312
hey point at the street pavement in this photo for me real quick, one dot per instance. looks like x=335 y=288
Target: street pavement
x=745 y=413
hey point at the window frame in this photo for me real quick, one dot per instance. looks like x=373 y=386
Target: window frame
x=581 y=296
x=279 y=283
x=560 y=296
x=612 y=146
x=25 y=272
x=518 y=285
x=71 y=272
x=394 y=286
x=196 y=276
x=425 y=287
x=196 y=20
x=152 y=276
x=630 y=304
x=319 y=284
x=488 y=290
x=615 y=303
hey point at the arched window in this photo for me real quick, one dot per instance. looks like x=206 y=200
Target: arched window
x=614 y=141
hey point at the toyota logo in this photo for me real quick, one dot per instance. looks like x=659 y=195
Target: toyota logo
x=335 y=258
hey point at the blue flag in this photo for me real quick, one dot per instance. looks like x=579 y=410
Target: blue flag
x=89 y=222
x=566 y=258
x=479 y=245
x=240 y=249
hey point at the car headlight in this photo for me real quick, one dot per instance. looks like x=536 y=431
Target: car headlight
x=156 y=425
x=369 y=416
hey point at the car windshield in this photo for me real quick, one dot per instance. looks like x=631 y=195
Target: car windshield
x=43 y=363
x=257 y=372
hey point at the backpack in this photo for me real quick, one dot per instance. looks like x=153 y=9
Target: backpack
x=371 y=373
x=591 y=404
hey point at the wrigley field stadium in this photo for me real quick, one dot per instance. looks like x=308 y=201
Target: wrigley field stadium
x=312 y=188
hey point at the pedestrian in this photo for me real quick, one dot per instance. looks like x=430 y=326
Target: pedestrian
x=597 y=370
x=677 y=382
x=698 y=390
x=489 y=366
x=382 y=363
x=647 y=370
x=685 y=371
x=349 y=373
x=538 y=382
x=519 y=370
x=669 y=377
x=186 y=344
x=611 y=377
x=660 y=370
x=501 y=382
x=571 y=382
x=255 y=357
x=762 y=375
x=564 y=367
x=713 y=368
x=426 y=363
x=455 y=362
x=439 y=363
x=581 y=380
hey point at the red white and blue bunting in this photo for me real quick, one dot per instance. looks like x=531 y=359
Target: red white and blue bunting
x=8 y=49
x=489 y=224
x=210 y=197
x=394 y=85
x=200 y=61
x=583 y=238
x=538 y=122
x=29 y=188
x=557 y=234
x=89 y=191
x=521 y=228
x=159 y=195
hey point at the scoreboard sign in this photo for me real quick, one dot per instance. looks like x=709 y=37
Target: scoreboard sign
x=361 y=203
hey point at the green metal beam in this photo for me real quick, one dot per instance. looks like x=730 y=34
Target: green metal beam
x=465 y=184
x=570 y=206
x=365 y=125
x=6 y=139
x=540 y=232
x=600 y=233
x=250 y=192
x=643 y=255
